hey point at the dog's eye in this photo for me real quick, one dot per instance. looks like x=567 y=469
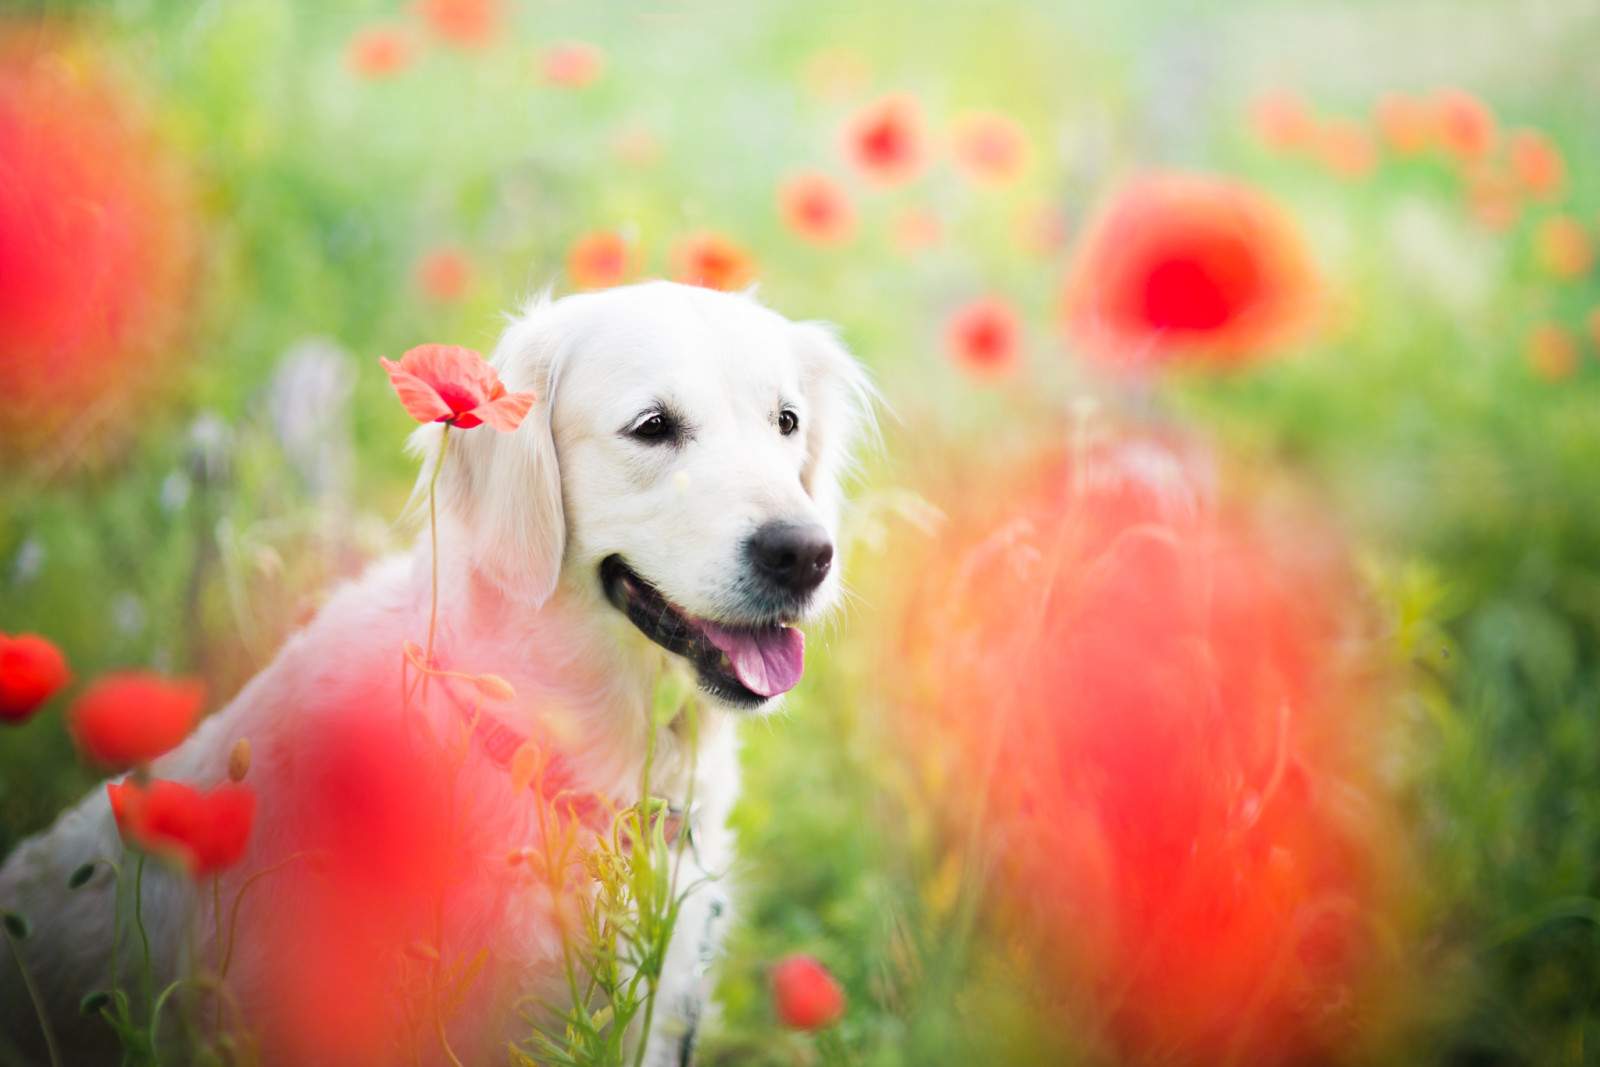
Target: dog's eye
x=654 y=427
x=788 y=422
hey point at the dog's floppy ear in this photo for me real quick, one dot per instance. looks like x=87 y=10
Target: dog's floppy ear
x=841 y=400
x=504 y=489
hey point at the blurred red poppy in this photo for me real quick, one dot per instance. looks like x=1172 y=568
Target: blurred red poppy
x=131 y=717
x=1281 y=120
x=915 y=229
x=455 y=386
x=32 y=670
x=599 y=260
x=1188 y=266
x=572 y=64
x=1345 y=147
x=443 y=274
x=711 y=260
x=1552 y=352
x=380 y=52
x=1404 y=122
x=985 y=338
x=205 y=832
x=1563 y=248
x=887 y=140
x=817 y=209
x=990 y=149
x=98 y=238
x=464 y=23
x=805 y=995
x=1537 y=164
x=1465 y=127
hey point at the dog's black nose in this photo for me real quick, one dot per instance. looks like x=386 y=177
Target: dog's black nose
x=792 y=556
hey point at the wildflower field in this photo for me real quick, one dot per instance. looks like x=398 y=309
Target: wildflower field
x=1218 y=678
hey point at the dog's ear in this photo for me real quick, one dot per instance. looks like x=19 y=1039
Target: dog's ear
x=504 y=489
x=841 y=399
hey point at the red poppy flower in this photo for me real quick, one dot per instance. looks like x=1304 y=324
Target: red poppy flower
x=805 y=995
x=817 y=209
x=711 y=260
x=463 y=23
x=132 y=717
x=1537 y=164
x=1404 y=122
x=380 y=52
x=443 y=274
x=32 y=670
x=1563 y=248
x=455 y=386
x=1281 y=121
x=1552 y=352
x=914 y=229
x=1345 y=147
x=985 y=338
x=599 y=260
x=1465 y=127
x=989 y=148
x=1185 y=265
x=205 y=832
x=572 y=64
x=887 y=140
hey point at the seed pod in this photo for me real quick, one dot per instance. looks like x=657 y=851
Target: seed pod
x=494 y=687
x=239 y=760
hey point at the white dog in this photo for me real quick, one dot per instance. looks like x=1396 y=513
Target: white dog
x=670 y=504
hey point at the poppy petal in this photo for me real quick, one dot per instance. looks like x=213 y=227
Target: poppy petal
x=507 y=413
x=421 y=401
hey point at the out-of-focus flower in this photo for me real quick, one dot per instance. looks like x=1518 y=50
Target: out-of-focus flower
x=817 y=209
x=635 y=145
x=805 y=995
x=1552 y=352
x=1493 y=199
x=599 y=260
x=455 y=386
x=711 y=260
x=989 y=148
x=380 y=52
x=98 y=235
x=1188 y=266
x=1345 y=147
x=835 y=75
x=1282 y=122
x=32 y=670
x=1537 y=164
x=1562 y=247
x=887 y=140
x=1041 y=229
x=571 y=64
x=1464 y=126
x=131 y=717
x=469 y=24
x=985 y=338
x=1404 y=122
x=204 y=832
x=914 y=229
x=443 y=274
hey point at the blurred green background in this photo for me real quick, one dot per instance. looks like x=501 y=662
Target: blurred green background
x=191 y=528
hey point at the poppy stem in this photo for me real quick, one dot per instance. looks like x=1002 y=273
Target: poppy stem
x=433 y=532
x=144 y=938
x=33 y=994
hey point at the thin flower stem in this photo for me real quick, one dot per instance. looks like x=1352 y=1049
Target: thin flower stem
x=216 y=916
x=33 y=994
x=433 y=532
x=144 y=935
x=233 y=918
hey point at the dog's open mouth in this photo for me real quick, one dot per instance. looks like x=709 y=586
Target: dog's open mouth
x=741 y=664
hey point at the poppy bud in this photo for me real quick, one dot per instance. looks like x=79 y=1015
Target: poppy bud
x=92 y=1003
x=805 y=995
x=494 y=687
x=81 y=876
x=16 y=925
x=239 y=760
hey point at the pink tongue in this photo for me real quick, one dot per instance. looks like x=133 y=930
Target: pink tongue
x=769 y=662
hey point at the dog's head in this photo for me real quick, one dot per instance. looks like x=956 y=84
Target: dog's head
x=681 y=466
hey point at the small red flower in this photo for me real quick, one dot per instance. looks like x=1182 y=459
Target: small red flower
x=205 y=832
x=1552 y=352
x=887 y=140
x=1186 y=265
x=463 y=23
x=455 y=386
x=1404 y=123
x=805 y=995
x=989 y=148
x=1345 y=147
x=817 y=209
x=572 y=64
x=443 y=274
x=711 y=260
x=1563 y=248
x=599 y=260
x=380 y=52
x=32 y=670
x=1537 y=164
x=1280 y=119
x=985 y=338
x=1465 y=127
x=132 y=717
